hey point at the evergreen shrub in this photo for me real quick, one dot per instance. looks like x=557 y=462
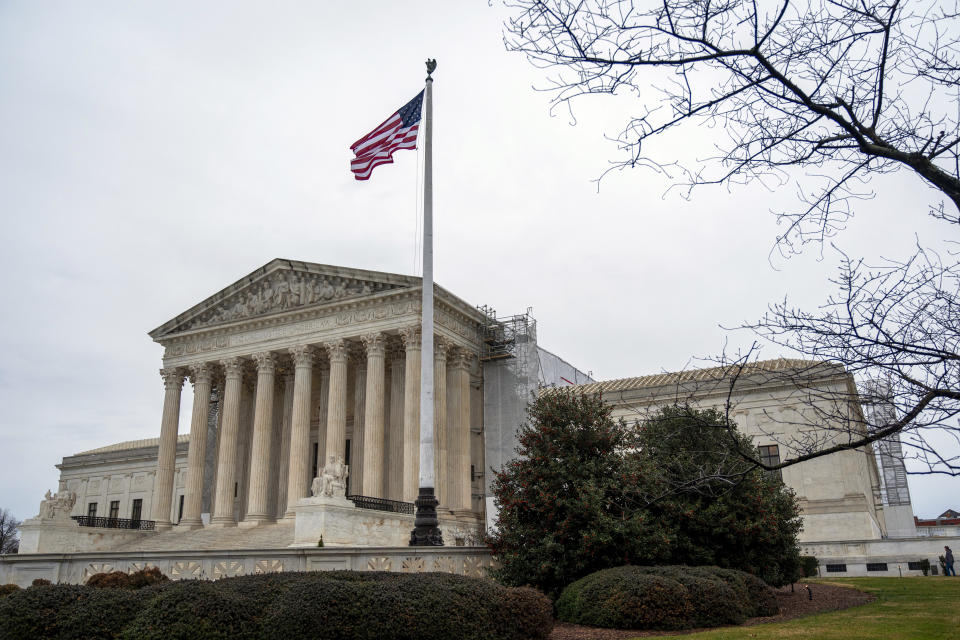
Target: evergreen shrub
x=7 y=589
x=665 y=597
x=809 y=566
x=285 y=606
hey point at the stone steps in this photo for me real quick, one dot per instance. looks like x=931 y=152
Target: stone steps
x=267 y=536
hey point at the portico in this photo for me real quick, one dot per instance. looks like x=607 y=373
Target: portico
x=306 y=361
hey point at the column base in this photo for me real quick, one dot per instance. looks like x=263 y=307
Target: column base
x=255 y=522
x=425 y=532
x=221 y=524
x=162 y=526
x=189 y=526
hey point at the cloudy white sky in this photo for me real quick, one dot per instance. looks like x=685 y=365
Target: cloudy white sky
x=152 y=153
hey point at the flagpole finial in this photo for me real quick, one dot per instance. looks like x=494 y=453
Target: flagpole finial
x=431 y=67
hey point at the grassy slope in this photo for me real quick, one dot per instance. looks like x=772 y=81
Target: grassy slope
x=905 y=609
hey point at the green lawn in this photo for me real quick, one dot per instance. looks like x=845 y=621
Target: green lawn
x=906 y=608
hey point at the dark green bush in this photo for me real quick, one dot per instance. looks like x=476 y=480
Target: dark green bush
x=623 y=598
x=98 y=613
x=665 y=597
x=35 y=612
x=809 y=566
x=285 y=606
x=7 y=589
x=192 y=609
x=390 y=605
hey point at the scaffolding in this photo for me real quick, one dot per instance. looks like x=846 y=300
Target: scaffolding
x=879 y=410
x=505 y=337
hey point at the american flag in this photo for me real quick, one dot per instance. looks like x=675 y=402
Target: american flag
x=399 y=131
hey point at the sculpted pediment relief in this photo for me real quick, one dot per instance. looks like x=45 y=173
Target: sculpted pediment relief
x=280 y=291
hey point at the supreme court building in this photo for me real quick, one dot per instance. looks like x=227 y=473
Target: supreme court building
x=298 y=365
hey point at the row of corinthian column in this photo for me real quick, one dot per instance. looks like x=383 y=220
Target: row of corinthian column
x=377 y=471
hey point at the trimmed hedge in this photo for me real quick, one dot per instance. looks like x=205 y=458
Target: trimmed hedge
x=283 y=606
x=665 y=597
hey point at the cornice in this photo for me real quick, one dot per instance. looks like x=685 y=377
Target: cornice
x=253 y=280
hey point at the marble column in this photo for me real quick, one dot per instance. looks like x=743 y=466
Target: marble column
x=440 y=348
x=337 y=353
x=395 y=455
x=357 y=446
x=298 y=486
x=458 y=434
x=167 y=449
x=259 y=487
x=373 y=416
x=323 y=403
x=227 y=449
x=411 y=413
x=202 y=375
x=286 y=423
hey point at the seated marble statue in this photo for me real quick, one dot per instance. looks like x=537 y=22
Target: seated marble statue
x=58 y=505
x=333 y=479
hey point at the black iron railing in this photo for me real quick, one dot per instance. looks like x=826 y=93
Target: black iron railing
x=115 y=523
x=381 y=504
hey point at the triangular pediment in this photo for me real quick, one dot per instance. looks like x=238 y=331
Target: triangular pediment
x=282 y=286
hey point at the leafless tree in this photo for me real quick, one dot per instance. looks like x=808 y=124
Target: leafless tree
x=9 y=532
x=826 y=95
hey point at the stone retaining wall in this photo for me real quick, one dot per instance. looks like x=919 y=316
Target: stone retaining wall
x=854 y=555
x=75 y=568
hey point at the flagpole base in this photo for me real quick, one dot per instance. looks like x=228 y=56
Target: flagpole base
x=425 y=532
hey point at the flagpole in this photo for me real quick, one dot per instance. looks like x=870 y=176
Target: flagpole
x=426 y=532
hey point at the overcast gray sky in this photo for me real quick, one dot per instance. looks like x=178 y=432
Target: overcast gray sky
x=152 y=153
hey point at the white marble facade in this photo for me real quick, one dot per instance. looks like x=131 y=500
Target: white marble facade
x=783 y=404
x=297 y=361
x=304 y=361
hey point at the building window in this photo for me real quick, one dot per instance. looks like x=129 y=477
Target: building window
x=137 y=510
x=876 y=566
x=314 y=462
x=114 y=509
x=915 y=566
x=770 y=455
x=92 y=510
x=836 y=568
x=180 y=510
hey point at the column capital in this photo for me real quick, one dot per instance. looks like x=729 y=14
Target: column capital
x=461 y=359
x=304 y=355
x=202 y=372
x=375 y=344
x=337 y=350
x=172 y=378
x=232 y=367
x=411 y=337
x=441 y=346
x=266 y=362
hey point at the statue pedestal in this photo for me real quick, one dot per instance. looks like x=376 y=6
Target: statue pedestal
x=343 y=525
x=49 y=535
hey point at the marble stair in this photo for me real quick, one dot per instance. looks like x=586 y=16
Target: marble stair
x=267 y=536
